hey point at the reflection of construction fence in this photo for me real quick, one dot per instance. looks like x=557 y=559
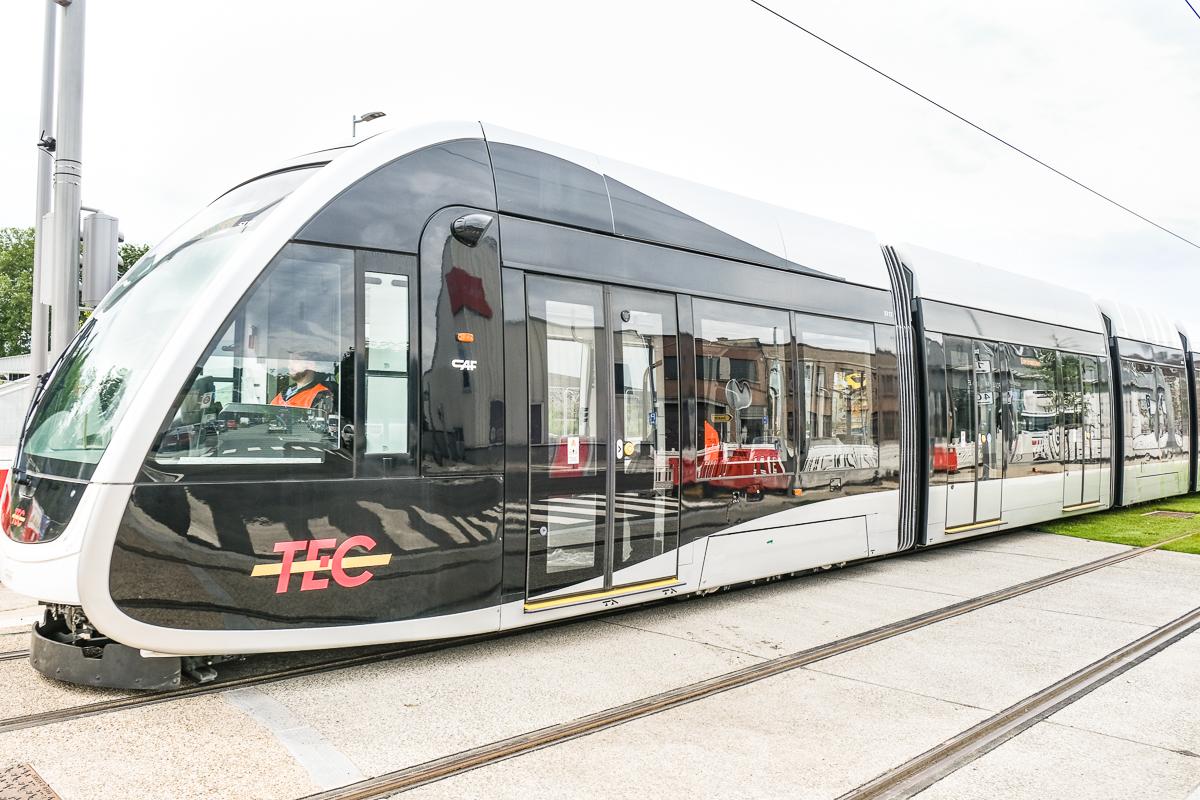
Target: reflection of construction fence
x=826 y=457
x=734 y=461
x=14 y=401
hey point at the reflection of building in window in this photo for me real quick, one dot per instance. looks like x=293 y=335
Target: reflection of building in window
x=744 y=389
x=570 y=357
x=839 y=394
x=1034 y=400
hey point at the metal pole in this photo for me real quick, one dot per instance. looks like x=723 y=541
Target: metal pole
x=39 y=340
x=353 y=126
x=67 y=171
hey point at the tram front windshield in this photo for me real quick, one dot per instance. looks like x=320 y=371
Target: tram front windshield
x=110 y=358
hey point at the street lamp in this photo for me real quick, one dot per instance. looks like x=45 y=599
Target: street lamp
x=367 y=117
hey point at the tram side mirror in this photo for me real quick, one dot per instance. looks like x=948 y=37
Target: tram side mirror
x=469 y=229
x=348 y=435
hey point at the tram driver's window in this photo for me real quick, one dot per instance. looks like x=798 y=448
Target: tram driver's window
x=271 y=392
x=743 y=391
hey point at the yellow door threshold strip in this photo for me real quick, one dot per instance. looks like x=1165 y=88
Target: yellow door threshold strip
x=1082 y=506
x=616 y=591
x=974 y=526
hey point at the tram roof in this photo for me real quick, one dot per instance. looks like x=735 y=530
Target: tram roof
x=963 y=282
x=1142 y=324
x=643 y=204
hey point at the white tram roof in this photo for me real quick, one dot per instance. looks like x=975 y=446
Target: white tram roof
x=787 y=237
x=839 y=251
x=961 y=282
x=1142 y=324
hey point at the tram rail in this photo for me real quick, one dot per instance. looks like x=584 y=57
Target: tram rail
x=417 y=775
x=921 y=772
x=13 y=655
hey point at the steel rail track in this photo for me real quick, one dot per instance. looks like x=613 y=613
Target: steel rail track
x=13 y=655
x=921 y=772
x=438 y=769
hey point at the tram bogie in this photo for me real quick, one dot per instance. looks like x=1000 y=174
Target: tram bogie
x=447 y=381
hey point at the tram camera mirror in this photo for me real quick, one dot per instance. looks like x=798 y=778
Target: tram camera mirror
x=469 y=229
x=625 y=315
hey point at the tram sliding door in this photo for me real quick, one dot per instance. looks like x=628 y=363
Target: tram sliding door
x=973 y=378
x=603 y=437
x=1082 y=430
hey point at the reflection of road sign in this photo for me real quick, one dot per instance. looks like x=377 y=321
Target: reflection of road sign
x=652 y=418
x=854 y=380
x=206 y=399
x=984 y=398
x=722 y=418
x=983 y=366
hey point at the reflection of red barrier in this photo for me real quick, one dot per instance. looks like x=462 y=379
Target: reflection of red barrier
x=559 y=466
x=945 y=459
x=752 y=467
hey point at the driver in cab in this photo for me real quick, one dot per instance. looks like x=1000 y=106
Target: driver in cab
x=306 y=389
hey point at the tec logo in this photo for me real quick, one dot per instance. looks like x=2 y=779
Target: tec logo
x=316 y=561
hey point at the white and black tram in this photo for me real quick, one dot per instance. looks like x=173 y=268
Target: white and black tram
x=453 y=380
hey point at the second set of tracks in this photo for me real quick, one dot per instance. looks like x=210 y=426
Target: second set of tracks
x=902 y=781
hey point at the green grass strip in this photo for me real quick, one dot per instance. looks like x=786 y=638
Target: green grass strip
x=1131 y=526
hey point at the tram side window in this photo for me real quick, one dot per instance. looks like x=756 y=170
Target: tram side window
x=744 y=390
x=273 y=390
x=1145 y=408
x=1034 y=394
x=839 y=394
x=1174 y=413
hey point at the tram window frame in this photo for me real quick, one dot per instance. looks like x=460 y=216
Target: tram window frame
x=342 y=457
x=372 y=264
x=722 y=313
x=809 y=330
x=1023 y=361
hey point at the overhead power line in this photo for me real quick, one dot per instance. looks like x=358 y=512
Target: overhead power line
x=1193 y=8
x=978 y=127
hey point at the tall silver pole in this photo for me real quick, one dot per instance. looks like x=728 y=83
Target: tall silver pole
x=39 y=333
x=67 y=171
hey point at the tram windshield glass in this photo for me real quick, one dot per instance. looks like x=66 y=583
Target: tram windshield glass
x=108 y=361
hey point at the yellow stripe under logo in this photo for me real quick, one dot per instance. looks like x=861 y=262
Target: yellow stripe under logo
x=349 y=562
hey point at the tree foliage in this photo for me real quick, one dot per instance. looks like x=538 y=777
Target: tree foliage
x=16 y=285
x=16 y=289
x=130 y=253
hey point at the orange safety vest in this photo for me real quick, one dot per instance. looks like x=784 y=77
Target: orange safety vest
x=302 y=399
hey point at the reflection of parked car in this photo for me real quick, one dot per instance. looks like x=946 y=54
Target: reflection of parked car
x=277 y=425
x=177 y=439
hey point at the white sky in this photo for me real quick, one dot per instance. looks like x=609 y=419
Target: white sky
x=183 y=100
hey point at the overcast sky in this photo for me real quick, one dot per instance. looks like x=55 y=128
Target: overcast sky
x=184 y=100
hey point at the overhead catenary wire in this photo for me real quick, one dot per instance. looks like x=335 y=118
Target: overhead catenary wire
x=1193 y=8
x=976 y=126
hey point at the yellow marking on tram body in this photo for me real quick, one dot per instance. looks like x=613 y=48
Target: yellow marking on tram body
x=538 y=605
x=349 y=562
x=1082 y=506
x=974 y=526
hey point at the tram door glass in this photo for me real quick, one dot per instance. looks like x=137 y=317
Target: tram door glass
x=973 y=381
x=603 y=437
x=1082 y=402
x=1093 y=426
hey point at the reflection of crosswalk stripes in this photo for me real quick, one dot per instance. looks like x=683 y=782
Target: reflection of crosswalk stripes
x=589 y=508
